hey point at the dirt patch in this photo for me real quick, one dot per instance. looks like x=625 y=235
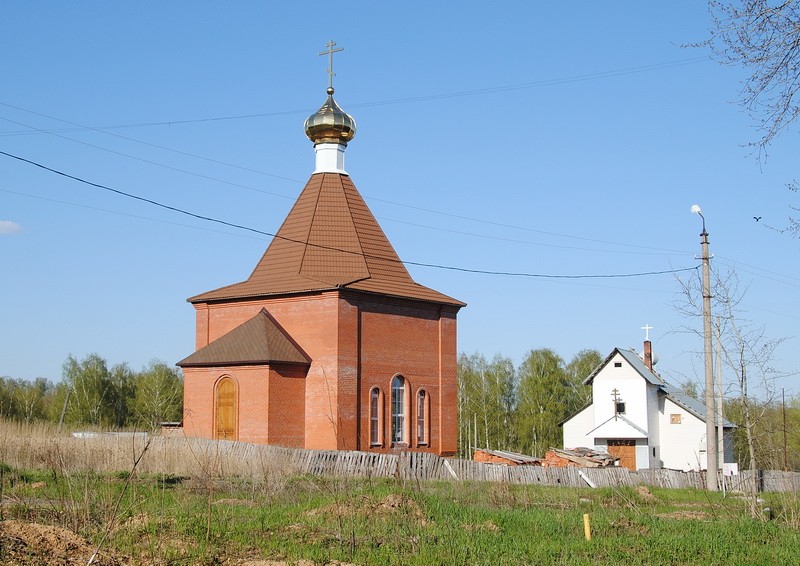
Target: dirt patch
x=692 y=515
x=239 y=502
x=625 y=525
x=486 y=526
x=388 y=507
x=283 y=563
x=690 y=505
x=32 y=543
x=644 y=492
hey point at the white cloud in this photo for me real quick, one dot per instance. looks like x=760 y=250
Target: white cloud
x=9 y=227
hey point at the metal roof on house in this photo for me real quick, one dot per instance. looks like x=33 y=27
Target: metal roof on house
x=688 y=403
x=671 y=392
x=634 y=360
x=260 y=340
x=329 y=240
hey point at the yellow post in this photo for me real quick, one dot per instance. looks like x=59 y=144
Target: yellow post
x=586 y=529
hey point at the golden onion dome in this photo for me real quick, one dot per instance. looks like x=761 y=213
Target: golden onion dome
x=330 y=124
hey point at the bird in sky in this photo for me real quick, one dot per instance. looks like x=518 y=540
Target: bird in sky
x=756 y=218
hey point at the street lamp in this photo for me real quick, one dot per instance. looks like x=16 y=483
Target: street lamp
x=711 y=432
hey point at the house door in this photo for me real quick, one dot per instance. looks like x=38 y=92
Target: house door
x=625 y=450
x=226 y=410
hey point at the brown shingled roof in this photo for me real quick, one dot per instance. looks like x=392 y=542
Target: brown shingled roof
x=329 y=240
x=260 y=340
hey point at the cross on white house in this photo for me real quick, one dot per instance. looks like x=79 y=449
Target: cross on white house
x=647 y=328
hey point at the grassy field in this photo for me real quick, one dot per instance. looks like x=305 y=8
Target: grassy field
x=156 y=519
x=62 y=499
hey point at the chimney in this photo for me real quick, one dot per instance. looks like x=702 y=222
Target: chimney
x=648 y=354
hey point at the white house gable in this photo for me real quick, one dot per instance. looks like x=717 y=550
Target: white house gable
x=630 y=399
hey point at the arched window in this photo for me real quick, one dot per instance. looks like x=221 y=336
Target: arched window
x=398 y=409
x=423 y=408
x=375 y=417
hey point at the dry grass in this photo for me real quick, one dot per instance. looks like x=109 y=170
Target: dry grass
x=42 y=447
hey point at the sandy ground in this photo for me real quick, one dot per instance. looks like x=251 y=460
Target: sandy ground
x=32 y=543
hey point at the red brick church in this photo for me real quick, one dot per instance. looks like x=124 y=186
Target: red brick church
x=329 y=344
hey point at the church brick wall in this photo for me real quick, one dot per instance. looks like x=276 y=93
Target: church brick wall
x=287 y=406
x=199 y=407
x=311 y=321
x=411 y=339
x=269 y=403
x=355 y=341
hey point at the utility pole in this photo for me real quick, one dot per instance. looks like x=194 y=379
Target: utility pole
x=711 y=431
x=720 y=429
x=785 y=443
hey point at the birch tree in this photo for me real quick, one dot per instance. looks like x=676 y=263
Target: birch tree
x=92 y=391
x=158 y=395
x=545 y=396
x=486 y=402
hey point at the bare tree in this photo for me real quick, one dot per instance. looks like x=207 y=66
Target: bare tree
x=763 y=37
x=747 y=351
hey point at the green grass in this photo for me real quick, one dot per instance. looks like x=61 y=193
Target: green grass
x=172 y=519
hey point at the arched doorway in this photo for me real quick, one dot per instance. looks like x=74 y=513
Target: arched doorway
x=225 y=410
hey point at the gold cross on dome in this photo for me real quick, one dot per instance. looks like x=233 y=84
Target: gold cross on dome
x=330 y=45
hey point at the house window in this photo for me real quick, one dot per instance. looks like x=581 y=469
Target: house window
x=675 y=419
x=398 y=409
x=617 y=364
x=375 y=417
x=620 y=407
x=422 y=417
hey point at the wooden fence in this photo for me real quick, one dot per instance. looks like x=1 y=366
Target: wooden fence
x=225 y=459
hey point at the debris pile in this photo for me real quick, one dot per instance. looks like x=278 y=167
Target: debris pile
x=579 y=458
x=555 y=458
x=487 y=456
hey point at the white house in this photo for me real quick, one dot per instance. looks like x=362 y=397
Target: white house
x=638 y=417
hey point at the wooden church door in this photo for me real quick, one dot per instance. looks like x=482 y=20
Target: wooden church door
x=226 y=410
x=625 y=450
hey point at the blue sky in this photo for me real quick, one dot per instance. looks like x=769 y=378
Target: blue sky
x=516 y=137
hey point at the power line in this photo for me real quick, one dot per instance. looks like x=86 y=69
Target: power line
x=528 y=242
x=524 y=228
x=143 y=160
x=424 y=98
x=129 y=215
x=394 y=203
x=80 y=127
x=270 y=234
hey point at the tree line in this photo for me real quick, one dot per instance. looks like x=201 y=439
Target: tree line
x=501 y=407
x=93 y=394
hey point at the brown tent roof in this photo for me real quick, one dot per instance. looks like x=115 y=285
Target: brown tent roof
x=329 y=240
x=260 y=340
